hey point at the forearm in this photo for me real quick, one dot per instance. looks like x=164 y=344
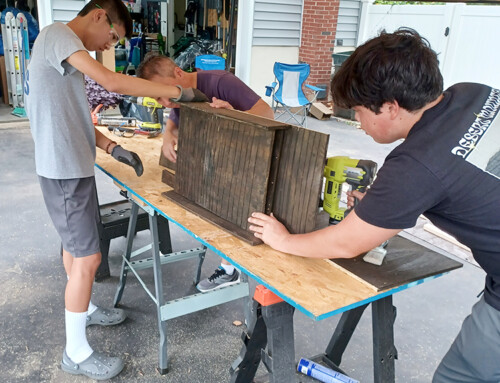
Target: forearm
x=117 y=82
x=347 y=239
x=317 y=244
x=171 y=132
x=104 y=142
x=262 y=109
x=134 y=86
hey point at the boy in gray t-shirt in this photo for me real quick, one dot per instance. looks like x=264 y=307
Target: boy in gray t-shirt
x=65 y=149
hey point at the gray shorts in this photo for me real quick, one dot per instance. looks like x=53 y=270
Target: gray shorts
x=474 y=356
x=72 y=206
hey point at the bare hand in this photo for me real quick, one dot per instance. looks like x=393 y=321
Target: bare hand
x=167 y=103
x=220 y=104
x=351 y=195
x=169 y=145
x=269 y=230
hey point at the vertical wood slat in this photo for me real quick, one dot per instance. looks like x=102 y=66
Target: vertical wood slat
x=273 y=172
x=249 y=166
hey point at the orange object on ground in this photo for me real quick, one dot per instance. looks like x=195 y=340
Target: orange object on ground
x=265 y=296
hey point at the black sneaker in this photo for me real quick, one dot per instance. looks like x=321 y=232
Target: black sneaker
x=218 y=279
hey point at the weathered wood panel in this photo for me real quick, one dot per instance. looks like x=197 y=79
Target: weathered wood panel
x=232 y=163
x=222 y=165
x=300 y=179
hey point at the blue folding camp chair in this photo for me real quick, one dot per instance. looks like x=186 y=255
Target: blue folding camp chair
x=210 y=62
x=289 y=96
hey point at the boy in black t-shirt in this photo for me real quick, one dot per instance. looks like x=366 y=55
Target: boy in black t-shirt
x=447 y=169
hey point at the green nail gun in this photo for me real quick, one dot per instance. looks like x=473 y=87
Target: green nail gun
x=359 y=174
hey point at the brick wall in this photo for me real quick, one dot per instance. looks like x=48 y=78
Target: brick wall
x=319 y=25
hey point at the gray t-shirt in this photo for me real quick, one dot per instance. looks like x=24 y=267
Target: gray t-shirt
x=56 y=104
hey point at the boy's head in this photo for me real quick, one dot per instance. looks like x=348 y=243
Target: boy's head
x=163 y=70
x=156 y=67
x=113 y=14
x=397 y=66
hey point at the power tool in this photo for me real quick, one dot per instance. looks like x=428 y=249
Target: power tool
x=339 y=170
x=119 y=120
x=149 y=103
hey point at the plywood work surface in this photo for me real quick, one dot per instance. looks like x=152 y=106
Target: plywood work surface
x=316 y=287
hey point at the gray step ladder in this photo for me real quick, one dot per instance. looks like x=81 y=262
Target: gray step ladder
x=16 y=50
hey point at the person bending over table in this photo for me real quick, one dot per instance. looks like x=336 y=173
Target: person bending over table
x=225 y=90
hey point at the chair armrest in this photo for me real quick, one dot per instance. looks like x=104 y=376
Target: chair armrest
x=270 y=88
x=272 y=85
x=315 y=88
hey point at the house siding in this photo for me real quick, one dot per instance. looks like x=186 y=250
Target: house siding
x=277 y=23
x=348 y=23
x=66 y=10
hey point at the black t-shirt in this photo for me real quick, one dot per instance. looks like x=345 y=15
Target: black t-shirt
x=448 y=169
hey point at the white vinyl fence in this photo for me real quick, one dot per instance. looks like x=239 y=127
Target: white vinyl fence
x=466 y=37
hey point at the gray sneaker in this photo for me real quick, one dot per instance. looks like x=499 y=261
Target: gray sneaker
x=106 y=317
x=218 y=279
x=97 y=366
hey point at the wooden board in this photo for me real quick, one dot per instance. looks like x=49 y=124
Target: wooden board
x=237 y=231
x=400 y=265
x=168 y=178
x=166 y=163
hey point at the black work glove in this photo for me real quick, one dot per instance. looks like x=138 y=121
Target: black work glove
x=129 y=158
x=190 y=95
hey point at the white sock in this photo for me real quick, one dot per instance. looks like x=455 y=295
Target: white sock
x=92 y=307
x=229 y=268
x=77 y=347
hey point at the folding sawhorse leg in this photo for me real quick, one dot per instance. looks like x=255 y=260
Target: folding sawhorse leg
x=384 y=351
x=271 y=324
x=177 y=307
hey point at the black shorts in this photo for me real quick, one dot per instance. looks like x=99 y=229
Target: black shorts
x=72 y=206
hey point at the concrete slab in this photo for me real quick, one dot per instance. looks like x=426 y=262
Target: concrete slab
x=201 y=345
x=8 y=119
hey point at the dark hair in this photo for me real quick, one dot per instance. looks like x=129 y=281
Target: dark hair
x=117 y=12
x=397 y=66
x=155 y=64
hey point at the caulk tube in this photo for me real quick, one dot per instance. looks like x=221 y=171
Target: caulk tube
x=322 y=373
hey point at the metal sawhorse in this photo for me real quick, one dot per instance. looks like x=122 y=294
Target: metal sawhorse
x=113 y=222
x=271 y=325
x=177 y=307
x=384 y=350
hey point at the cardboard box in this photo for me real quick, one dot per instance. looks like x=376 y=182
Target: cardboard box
x=320 y=111
x=107 y=58
x=3 y=76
